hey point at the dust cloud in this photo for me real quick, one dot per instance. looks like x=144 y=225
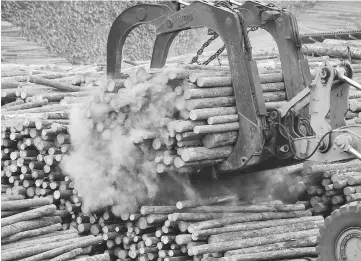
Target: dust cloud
x=112 y=161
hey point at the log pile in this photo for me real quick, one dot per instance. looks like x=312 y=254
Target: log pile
x=31 y=230
x=31 y=87
x=338 y=184
x=218 y=227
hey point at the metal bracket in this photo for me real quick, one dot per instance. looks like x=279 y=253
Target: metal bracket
x=227 y=25
x=130 y=19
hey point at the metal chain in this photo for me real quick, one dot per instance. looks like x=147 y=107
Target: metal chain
x=200 y=51
x=215 y=55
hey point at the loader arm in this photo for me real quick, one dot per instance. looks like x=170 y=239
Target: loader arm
x=327 y=98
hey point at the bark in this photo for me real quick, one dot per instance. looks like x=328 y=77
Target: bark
x=68 y=255
x=244 y=243
x=255 y=225
x=302 y=242
x=202 y=153
x=32 y=233
x=222 y=119
x=207 y=201
x=178 y=163
x=262 y=232
x=210 y=103
x=28 y=105
x=203 y=114
x=354 y=180
x=25 y=203
x=11 y=197
x=274 y=96
x=28 y=215
x=208 y=92
x=54 y=249
x=28 y=225
x=37 y=241
x=219 y=139
x=56 y=85
x=311 y=167
x=146 y=210
x=353 y=197
x=331 y=50
x=226 y=127
x=184 y=126
x=247 y=218
x=276 y=254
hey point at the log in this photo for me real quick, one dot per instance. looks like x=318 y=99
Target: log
x=28 y=225
x=32 y=233
x=246 y=218
x=189 y=143
x=222 y=119
x=227 y=81
x=34 y=241
x=355 y=106
x=50 y=250
x=100 y=257
x=244 y=243
x=209 y=103
x=254 y=208
x=274 y=96
x=351 y=189
x=11 y=104
x=203 y=114
x=188 y=136
x=226 y=127
x=25 y=203
x=184 y=126
x=219 y=139
x=56 y=85
x=214 y=81
x=28 y=105
x=354 y=180
x=11 y=197
x=353 y=197
x=146 y=210
x=198 y=216
x=28 y=215
x=68 y=255
x=302 y=242
x=311 y=167
x=276 y=254
x=178 y=163
x=208 y=92
x=208 y=201
x=344 y=176
x=330 y=50
x=273 y=87
x=264 y=231
x=202 y=153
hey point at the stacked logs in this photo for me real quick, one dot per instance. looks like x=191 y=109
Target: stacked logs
x=338 y=184
x=214 y=229
x=208 y=123
x=26 y=87
x=31 y=230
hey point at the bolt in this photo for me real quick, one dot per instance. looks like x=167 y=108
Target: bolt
x=141 y=14
x=169 y=23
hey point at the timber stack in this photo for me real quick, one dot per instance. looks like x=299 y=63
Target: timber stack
x=219 y=228
x=338 y=184
x=31 y=230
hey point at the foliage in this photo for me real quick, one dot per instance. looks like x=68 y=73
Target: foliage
x=78 y=30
